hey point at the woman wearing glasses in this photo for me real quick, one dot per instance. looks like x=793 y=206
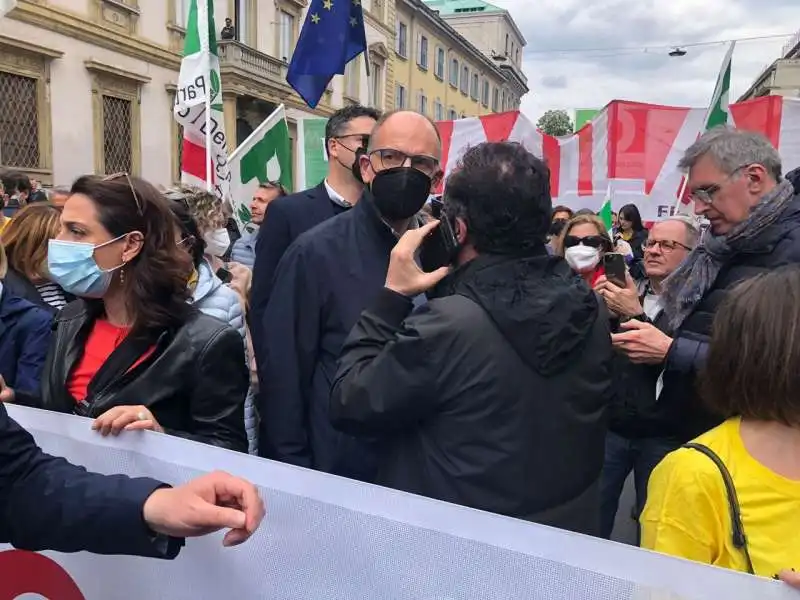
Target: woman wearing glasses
x=583 y=243
x=132 y=353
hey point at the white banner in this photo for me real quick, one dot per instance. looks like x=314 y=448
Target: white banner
x=328 y=538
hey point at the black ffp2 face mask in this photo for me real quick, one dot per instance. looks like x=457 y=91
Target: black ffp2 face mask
x=401 y=192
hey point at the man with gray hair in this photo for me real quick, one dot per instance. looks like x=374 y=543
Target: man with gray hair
x=734 y=179
x=642 y=430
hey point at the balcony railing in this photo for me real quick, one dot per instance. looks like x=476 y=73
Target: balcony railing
x=241 y=58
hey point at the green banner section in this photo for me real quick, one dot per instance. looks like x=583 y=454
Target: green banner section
x=584 y=116
x=314 y=158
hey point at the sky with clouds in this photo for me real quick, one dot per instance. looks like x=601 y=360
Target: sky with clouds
x=586 y=79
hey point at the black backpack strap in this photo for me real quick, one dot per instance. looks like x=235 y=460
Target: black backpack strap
x=739 y=538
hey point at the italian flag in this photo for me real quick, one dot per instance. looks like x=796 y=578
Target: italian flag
x=718 y=113
x=198 y=105
x=605 y=212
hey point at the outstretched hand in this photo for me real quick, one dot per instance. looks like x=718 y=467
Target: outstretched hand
x=405 y=276
x=205 y=505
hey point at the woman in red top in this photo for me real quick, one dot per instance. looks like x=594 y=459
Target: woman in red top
x=132 y=353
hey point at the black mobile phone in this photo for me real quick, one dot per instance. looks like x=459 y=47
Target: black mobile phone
x=614 y=266
x=440 y=246
x=224 y=275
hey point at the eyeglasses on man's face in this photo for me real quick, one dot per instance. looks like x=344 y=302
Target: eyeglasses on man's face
x=389 y=158
x=666 y=246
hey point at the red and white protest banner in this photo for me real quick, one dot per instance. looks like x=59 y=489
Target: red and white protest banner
x=631 y=148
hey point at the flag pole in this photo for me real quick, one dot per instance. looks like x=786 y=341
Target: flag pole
x=370 y=99
x=202 y=8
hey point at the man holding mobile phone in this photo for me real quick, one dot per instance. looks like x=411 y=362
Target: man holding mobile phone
x=639 y=429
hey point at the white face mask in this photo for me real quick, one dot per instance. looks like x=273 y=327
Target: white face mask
x=217 y=242
x=582 y=258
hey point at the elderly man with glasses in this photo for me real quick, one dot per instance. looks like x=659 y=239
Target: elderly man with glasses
x=734 y=178
x=641 y=428
x=323 y=282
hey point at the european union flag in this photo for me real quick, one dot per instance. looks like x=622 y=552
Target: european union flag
x=332 y=35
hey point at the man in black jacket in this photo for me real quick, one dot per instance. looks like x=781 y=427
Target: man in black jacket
x=346 y=136
x=494 y=394
x=324 y=281
x=754 y=214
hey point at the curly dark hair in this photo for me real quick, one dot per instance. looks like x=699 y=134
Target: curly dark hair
x=156 y=279
x=502 y=191
x=337 y=123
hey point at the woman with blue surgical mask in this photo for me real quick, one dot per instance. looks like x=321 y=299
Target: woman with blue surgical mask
x=131 y=353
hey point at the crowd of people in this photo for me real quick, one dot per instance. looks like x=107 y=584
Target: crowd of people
x=483 y=347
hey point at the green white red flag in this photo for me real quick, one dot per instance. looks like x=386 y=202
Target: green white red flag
x=198 y=105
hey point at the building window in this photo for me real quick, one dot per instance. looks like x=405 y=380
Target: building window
x=402 y=39
x=400 y=97
x=286 y=39
x=351 y=79
x=117 y=134
x=476 y=87
x=439 y=68
x=19 y=122
x=503 y=103
x=496 y=100
x=465 y=80
x=423 y=104
x=116 y=111
x=485 y=96
x=517 y=59
x=506 y=44
x=452 y=115
x=454 y=72
x=376 y=80
x=182 y=12
x=241 y=21
x=438 y=111
x=422 y=58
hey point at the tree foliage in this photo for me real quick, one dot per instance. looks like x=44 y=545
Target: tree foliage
x=555 y=122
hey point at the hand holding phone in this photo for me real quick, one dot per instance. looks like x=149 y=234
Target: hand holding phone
x=614 y=266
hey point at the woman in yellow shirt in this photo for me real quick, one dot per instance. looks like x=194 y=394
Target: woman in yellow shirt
x=752 y=377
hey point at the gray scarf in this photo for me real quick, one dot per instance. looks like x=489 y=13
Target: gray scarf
x=684 y=289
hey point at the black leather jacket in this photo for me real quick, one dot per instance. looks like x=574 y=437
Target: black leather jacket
x=194 y=383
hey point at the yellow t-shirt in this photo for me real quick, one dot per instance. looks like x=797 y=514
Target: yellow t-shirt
x=687 y=512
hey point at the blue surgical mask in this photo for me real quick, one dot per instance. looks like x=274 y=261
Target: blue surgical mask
x=72 y=266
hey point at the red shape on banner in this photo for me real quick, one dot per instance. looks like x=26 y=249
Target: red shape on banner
x=193 y=161
x=446 y=133
x=640 y=137
x=498 y=127
x=762 y=115
x=585 y=168
x=30 y=573
x=551 y=149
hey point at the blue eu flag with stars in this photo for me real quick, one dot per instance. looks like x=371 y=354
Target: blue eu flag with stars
x=332 y=35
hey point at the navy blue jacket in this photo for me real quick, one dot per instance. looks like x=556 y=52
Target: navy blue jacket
x=285 y=220
x=25 y=331
x=47 y=503
x=324 y=281
x=777 y=246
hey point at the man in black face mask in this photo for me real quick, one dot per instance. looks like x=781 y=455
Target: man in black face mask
x=346 y=137
x=493 y=394
x=324 y=281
